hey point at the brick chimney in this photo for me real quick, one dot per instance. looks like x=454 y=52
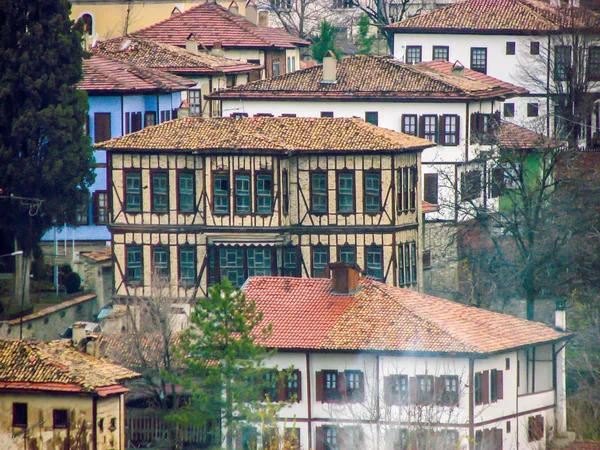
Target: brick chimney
x=329 y=68
x=344 y=277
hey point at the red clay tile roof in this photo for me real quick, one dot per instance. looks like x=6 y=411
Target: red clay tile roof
x=584 y=445
x=306 y=315
x=499 y=17
x=515 y=137
x=99 y=255
x=146 y=53
x=56 y=366
x=101 y=74
x=289 y=134
x=210 y=23
x=375 y=77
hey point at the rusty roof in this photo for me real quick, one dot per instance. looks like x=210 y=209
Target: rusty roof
x=147 y=53
x=515 y=137
x=306 y=314
x=288 y=134
x=102 y=74
x=500 y=17
x=210 y=23
x=376 y=77
x=57 y=366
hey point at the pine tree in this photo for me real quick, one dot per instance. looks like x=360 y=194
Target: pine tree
x=44 y=152
x=325 y=42
x=364 y=42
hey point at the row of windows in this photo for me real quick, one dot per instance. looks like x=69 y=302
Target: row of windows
x=99 y=210
x=533 y=109
x=159 y=186
x=443 y=129
x=60 y=418
x=133 y=122
x=414 y=53
x=489 y=386
x=421 y=390
x=161 y=264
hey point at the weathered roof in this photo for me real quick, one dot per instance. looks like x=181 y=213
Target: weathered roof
x=376 y=77
x=210 y=23
x=57 y=366
x=306 y=314
x=136 y=351
x=515 y=137
x=99 y=255
x=104 y=75
x=500 y=17
x=269 y=134
x=147 y=53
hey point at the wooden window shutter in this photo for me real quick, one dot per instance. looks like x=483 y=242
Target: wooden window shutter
x=281 y=385
x=101 y=127
x=95 y=206
x=498 y=438
x=341 y=378
x=320 y=437
x=402 y=123
x=474 y=125
x=413 y=385
x=387 y=390
x=319 y=386
x=442 y=130
x=361 y=380
x=499 y=385
x=438 y=390
x=485 y=386
x=457 y=129
x=422 y=126
x=127 y=123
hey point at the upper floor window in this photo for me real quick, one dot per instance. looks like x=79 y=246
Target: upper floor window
x=441 y=53
x=347 y=254
x=160 y=192
x=511 y=48
x=449 y=387
x=430 y=188
x=292 y=386
x=479 y=59
x=429 y=127
x=330 y=438
x=149 y=119
x=354 y=385
x=133 y=122
x=133 y=191
x=372 y=117
x=562 y=62
x=165 y=116
x=276 y=67
x=291 y=66
x=60 y=418
x=395 y=389
x=318 y=192
x=320 y=259
x=343 y=4
x=88 y=24
x=509 y=110
x=160 y=259
x=374 y=261
x=326 y=113
x=290 y=262
x=100 y=207
x=345 y=192
x=470 y=185
x=533 y=109
x=185 y=192
x=449 y=130
x=331 y=386
x=242 y=193
x=134 y=268
x=484 y=126
x=82 y=214
x=593 y=66
x=425 y=389
x=237 y=263
x=285 y=205
x=334 y=387
x=19 y=418
x=407 y=264
x=372 y=193
x=534 y=48
x=195 y=101
x=264 y=193
x=220 y=193
x=102 y=127
x=407 y=189
x=413 y=54
x=187 y=265
x=489 y=439
x=409 y=124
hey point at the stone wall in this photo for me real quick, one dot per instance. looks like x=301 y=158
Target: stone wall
x=441 y=279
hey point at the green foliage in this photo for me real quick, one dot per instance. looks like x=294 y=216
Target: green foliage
x=364 y=42
x=223 y=363
x=44 y=152
x=325 y=42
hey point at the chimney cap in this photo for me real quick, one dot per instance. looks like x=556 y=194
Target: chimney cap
x=191 y=37
x=344 y=265
x=330 y=54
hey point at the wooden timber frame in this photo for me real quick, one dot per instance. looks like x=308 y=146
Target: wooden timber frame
x=206 y=230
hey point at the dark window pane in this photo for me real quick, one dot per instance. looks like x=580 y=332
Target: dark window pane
x=372 y=192
x=440 y=53
x=186 y=192
x=221 y=193
x=133 y=192
x=318 y=186
x=413 y=54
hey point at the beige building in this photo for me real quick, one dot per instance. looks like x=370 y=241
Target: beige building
x=198 y=200
x=55 y=396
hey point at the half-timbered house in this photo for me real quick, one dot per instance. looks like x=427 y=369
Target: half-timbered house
x=196 y=200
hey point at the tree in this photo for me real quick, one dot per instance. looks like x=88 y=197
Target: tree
x=301 y=18
x=364 y=42
x=44 y=152
x=325 y=42
x=223 y=362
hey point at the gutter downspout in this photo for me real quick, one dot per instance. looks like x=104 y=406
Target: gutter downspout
x=377 y=399
x=471 y=404
x=309 y=398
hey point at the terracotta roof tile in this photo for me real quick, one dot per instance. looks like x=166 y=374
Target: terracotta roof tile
x=584 y=445
x=268 y=134
x=210 y=23
x=306 y=314
x=99 y=255
x=511 y=136
x=101 y=74
x=146 y=53
x=381 y=77
x=135 y=351
x=499 y=16
x=56 y=366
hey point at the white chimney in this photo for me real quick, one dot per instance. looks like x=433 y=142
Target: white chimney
x=263 y=18
x=329 y=68
x=251 y=12
x=79 y=335
x=233 y=8
x=191 y=45
x=458 y=69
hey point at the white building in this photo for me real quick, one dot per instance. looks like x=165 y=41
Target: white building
x=379 y=367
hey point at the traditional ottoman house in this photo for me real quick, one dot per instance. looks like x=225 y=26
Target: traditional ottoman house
x=196 y=200
x=381 y=367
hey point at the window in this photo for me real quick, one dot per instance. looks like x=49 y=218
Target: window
x=409 y=124
x=449 y=130
x=88 y=24
x=19 y=415
x=347 y=254
x=326 y=113
x=407 y=264
x=195 y=101
x=343 y=4
x=470 y=185
x=82 y=216
x=345 y=192
x=60 y=418
x=351 y=438
x=290 y=262
x=237 y=263
x=160 y=258
x=264 y=193
x=441 y=53
x=483 y=127
x=270 y=380
x=231 y=264
x=133 y=191
x=320 y=259
x=562 y=62
x=407 y=189
x=536 y=428
x=134 y=264
x=100 y=207
x=430 y=186
x=331 y=392
x=424 y=389
x=242 y=193
x=318 y=192
x=276 y=68
x=220 y=193
x=510 y=48
x=496 y=385
x=413 y=54
x=248 y=438
x=160 y=192
x=354 y=385
x=372 y=117
x=133 y=122
x=259 y=261
x=395 y=389
x=449 y=390
x=488 y=439
x=498 y=182
x=428 y=127
x=285 y=205
x=479 y=59
x=165 y=116
x=292 y=386
x=532 y=109
x=149 y=119
x=291 y=61
x=534 y=48
x=101 y=127
x=185 y=192
x=593 y=66
x=331 y=438
x=374 y=261
x=372 y=186
x=426 y=259
x=187 y=265
x=509 y=110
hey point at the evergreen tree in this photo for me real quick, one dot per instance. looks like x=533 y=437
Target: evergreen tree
x=364 y=42
x=325 y=42
x=44 y=152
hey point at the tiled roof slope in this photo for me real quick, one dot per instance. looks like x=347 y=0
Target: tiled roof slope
x=381 y=77
x=99 y=255
x=500 y=17
x=268 y=134
x=101 y=74
x=135 y=351
x=146 y=53
x=306 y=315
x=511 y=136
x=56 y=366
x=210 y=23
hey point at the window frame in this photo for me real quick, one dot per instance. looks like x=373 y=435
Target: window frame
x=194 y=97
x=407 y=264
x=217 y=174
x=257 y=196
x=293 y=393
x=562 y=68
x=325 y=195
x=339 y=174
x=446 y=137
x=236 y=196
x=432 y=136
x=100 y=207
x=471 y=186
x=508 y=107
x=285 y=192
x=326 y=113
x=533 y=109
x=477 y=59
x=534 y=48
x=104 y=131
x=449 y=397
x=354 y=388
x=372 y=117
x=313 y=268
x=180 y=174
x=379 y=249
x=414 y=54
x=60 y=418
x=180 y=266
x=428 y=189
x=425 y=397
x=443 y=48
x=406 y=199
x=164 y=271
x=366 y=195
x=288 y=271
x=511 y=48
x=396 y=394
x=20 y=415
x=128 y=279
x=593 y=63
x=346 y=248
x=405 y=127
x=128 y=207
x=153 y=193
x=332 y=394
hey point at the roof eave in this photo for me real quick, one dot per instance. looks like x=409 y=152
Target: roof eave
x=470 y=31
